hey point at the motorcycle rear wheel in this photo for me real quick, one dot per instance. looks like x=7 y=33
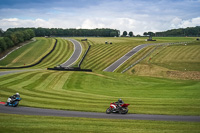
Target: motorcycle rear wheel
x=123 y=111
x=15 y=104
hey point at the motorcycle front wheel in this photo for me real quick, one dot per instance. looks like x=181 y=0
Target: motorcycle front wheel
x=108 y=111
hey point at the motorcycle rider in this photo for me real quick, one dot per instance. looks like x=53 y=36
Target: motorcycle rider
x=119 y=103
x=16 y=95
x=12 y=98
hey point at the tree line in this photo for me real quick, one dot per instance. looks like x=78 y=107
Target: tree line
x=12 y=38
x=104 y=32
x=189 y=31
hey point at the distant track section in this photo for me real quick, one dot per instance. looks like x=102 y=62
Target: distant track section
x=128 y=55
x=124 y=58
x=75 y=56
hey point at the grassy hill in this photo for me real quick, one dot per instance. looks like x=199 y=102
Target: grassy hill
x=83 y=91
x=62 y=53
x=34 y=51
x=51 y=89
x=94 y=92
x=29 y=53
x=102 y=55
x=174 y=61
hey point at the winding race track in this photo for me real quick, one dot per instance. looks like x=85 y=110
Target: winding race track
x=52 y=112
x=62 y=113
x=75 y=55
x=124 y=58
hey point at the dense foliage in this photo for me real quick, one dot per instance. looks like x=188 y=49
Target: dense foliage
x=72 y=32
x=130 y=34
x=189 y=31
x=12 y=38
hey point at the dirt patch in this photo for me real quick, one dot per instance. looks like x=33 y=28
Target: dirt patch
x=157 y=71
x=194 y=75
x=148 y=70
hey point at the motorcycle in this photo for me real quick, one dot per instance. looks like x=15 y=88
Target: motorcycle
x=13 y=102
x=123 y=109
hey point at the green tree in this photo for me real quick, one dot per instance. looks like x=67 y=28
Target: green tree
x=31 y=33
x=26 y=35
x=8 y=34
x=14 y=38
x=145 y=33
x=113 y=33
x=20 y=36
x=3 y=45
x=9 y=42
x=125 y=33
x=130 y=34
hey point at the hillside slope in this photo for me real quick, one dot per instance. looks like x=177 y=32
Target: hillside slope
x=174 y=61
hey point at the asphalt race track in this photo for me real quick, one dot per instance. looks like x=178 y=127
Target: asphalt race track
x=75 y=55
x=124 y=58
x=62 y=113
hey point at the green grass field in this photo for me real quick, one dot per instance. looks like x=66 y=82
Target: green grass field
x=178 y=57
x=33 y=52
x=62 y=53
x=95 y=91
x=102 y=55
x=148 y=93
x=177 y=61
x=40 y=124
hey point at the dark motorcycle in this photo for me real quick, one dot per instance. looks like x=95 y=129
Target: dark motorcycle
x=123 y=109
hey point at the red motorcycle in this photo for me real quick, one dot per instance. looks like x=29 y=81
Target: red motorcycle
x=122 y=109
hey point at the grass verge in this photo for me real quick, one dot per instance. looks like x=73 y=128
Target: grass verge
x=25 y=123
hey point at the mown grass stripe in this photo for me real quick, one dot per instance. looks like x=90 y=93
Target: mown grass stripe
x=14 y=77
x=108 y=57
x=99 y=56
x=39 y=81
x=59 y=81
x=28 y=54
x=59 y=55
x=27 y=81
x=48 y=80
x=53 y=56
x=10 y=76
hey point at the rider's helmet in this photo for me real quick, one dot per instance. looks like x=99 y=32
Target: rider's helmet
x=17 y=94
x=120 y=100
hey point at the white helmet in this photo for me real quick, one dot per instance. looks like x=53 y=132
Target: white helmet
x=17 y=94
